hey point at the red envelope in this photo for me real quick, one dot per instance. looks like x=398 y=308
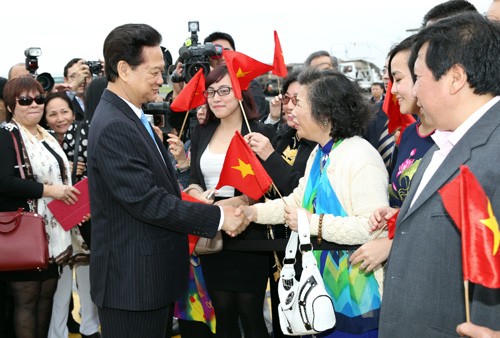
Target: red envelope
x=70 y=215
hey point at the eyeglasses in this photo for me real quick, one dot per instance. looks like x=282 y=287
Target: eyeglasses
x=28 y=100
x=202 y=107
x=222 y=91
x=287 y=99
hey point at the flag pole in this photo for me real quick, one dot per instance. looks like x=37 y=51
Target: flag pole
x=466 y=296
x=245 y=116
x=183 y=125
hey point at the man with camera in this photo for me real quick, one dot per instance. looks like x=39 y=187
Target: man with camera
x=78 y=74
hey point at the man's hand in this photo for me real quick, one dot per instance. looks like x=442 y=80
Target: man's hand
x=475 y=331
x=235 y=221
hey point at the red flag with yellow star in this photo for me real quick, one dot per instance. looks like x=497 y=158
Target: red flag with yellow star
x=191 y=96
x=396 y=119
x=279 y=60
x=243 y=171
x=242 y=70
x=470 y=208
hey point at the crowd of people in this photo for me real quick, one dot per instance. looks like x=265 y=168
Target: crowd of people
x=324 y=143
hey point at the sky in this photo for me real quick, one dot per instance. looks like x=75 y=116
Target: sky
x=348 y=29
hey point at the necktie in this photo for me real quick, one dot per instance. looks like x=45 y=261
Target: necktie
x=146 y=124
x=386 y=145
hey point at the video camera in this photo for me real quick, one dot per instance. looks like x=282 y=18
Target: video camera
x=45 y=79
x=194 y=55
x=157 y=113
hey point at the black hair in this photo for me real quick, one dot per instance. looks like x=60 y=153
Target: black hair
x=126 y=43
x=447 y=9
x=220 y=36
x=468 y=40
x=405 y=44
x=248 y=102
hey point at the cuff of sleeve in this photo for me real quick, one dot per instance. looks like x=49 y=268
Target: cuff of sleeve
x=221 y=222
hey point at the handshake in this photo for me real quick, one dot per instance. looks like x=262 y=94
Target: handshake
x=236 y=219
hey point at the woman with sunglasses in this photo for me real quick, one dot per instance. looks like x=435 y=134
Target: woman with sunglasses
x=47 y=175
x=236 y=280
x=284 y=159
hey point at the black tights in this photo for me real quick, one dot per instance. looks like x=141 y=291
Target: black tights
x=33 y=307
x=230 y=307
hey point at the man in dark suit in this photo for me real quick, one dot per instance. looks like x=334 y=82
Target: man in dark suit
x=139 y=261
x=456 y=68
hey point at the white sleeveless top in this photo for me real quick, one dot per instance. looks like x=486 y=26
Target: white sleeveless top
x=211 y=166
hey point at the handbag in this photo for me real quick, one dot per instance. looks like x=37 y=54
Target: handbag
x=23 y=240
x=205 y=246
x=305 y=306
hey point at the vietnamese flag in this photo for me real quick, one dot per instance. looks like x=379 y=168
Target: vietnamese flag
x=243 y=171
x=192 y=239
x=242 y=70
x=470 y=208
x=279 y=60
x=396 y=119
x=191 y=96
x=391 y=225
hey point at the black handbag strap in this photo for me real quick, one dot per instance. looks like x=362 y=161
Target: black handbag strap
x=76 y=150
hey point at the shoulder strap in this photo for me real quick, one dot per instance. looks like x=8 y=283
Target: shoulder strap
x=18 y=156
x=76 y=150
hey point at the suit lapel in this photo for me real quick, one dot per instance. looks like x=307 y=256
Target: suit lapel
x=475 y=137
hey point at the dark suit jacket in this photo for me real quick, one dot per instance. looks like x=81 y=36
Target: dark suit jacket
x=376 y=125
x=139 y=258
x=424 y=291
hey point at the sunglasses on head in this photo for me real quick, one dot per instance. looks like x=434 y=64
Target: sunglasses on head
x=28 y=100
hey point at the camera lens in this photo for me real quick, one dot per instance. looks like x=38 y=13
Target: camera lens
x=46 y=80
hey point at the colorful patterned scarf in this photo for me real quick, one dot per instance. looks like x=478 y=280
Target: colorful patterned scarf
x=354 y=293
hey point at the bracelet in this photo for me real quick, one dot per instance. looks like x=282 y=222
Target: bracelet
x=320 y=228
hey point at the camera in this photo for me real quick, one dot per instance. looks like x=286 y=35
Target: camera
x=157 y=113
x=195 y=55
x=45 y=79
x=95 y=67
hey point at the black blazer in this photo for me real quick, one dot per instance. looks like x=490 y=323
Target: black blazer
x=376 y=126
x=139 y=258
x=14 y=191
x=285 y=176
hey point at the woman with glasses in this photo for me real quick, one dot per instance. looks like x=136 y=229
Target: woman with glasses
x=236 y=280
x=284 y=159
x=47 y=175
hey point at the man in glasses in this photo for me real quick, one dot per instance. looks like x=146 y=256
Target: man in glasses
x=226 y=41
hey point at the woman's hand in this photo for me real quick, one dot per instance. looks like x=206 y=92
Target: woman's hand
x=176 y=147
x=80 y=168
x=275 y=107
x=371 y=254
x=86 y=218
x=260 y=145
x=380 y=216
x=158 y=132
x=65 y=193
x=291 y=217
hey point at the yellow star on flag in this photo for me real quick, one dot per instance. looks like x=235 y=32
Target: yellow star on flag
x=240 y=73
x=244 y=168
x=492 y=224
